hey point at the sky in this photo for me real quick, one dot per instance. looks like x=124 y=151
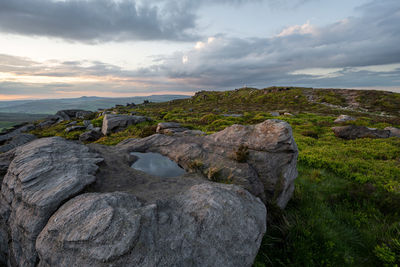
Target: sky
x=116 y=48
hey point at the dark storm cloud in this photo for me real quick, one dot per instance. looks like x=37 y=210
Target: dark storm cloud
x=104 y=20
x=372 y=38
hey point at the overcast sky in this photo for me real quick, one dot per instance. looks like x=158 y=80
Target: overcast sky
x=71 y=48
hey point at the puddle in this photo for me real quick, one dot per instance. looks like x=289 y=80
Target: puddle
x=157 y=165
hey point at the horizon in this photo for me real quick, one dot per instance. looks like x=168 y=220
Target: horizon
x=53 y=49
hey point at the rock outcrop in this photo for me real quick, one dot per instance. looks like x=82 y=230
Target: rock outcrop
x=16 y=141
x=14 y=132
x=261 y=158
x=70 y=114
x=42 y=175
x=114 y=123
x=59 y=206
x=352 y=132
x=209 y=225
x=344 y=118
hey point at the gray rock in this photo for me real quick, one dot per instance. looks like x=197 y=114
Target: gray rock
x=86 y=123
x=288 y=114
x=47 y=123
x=208 y=225
x=167 y=125
x=75 y=128
x=43 y=174
x=394 y=132
x=352 y=132
x=69 y=114
x=344 y=118
x=274 y=114
x=16 y=141
x=11 y=134
x=114 y=123
x=233 y=115
x=72 y=123
x=269 y=166
x=90 y=136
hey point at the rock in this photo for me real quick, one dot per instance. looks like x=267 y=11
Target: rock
x=344 y=118
x=16 y=141
x=268 y=149
x=42 y=175
x=48 y=122
x=287 y=114
x=90 y=136
x=86 y=123
x=274 y=114
x=75 y=128
x=73 y=114
x=233 y=115
x=11 y=134
x=72 y=123
x=352 y=132
x=394 y=132
x=114 y=123
x=167 y=125
x=208 y=225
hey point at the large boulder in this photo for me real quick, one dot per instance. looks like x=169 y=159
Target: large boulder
x=208 y=225
x=114 y=123
x=16 y=141
x=41 y=176
x=261 y=158
x=394 y=132
x=352 y=132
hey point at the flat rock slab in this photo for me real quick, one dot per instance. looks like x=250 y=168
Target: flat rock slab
x=344 y=118
x=270 y=162
x=207 y=225
x=352 y=132
x=42 y=175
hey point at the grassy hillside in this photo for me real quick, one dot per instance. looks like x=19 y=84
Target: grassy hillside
x=346 y=206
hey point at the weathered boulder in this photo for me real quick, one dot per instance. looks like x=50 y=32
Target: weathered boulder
x=394 y=132
x=16 y=131
x=73 y=114
x=75 y=128
x=114 y=123
x=207 y=225
x=91 y=135
x=42 y=175
x=16 y=141
x=344 y=118
x=352 y=132
x=261 y=158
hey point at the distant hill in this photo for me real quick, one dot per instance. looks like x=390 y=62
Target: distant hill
x=51 y=106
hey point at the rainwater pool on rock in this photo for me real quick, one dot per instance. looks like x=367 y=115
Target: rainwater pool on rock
x=157 y=165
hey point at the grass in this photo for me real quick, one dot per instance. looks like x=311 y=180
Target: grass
x=345 y=210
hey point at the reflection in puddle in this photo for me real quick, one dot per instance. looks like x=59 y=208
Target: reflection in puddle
x=157 y=165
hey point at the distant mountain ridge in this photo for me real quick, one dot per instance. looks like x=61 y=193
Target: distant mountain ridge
x=51 y=106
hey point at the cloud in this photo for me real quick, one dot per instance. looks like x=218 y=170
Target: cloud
x=338 y=54
x=93 y=21
x=360 y=51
